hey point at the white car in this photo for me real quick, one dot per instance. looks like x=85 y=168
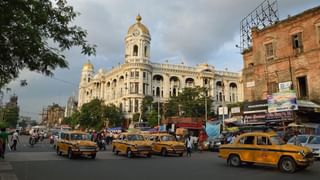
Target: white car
x=302 y=139
x=314 y=145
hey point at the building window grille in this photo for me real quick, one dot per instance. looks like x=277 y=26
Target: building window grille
x=269 y=51
x=297 y=43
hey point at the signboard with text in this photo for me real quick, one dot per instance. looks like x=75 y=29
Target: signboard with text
x=283 y=101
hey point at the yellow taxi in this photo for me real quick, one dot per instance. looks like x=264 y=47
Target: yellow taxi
x=266 y=148
x=131 y=144
x=165 y=144
x=75 y=143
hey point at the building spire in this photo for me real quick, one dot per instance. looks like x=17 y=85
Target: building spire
x=138 y=18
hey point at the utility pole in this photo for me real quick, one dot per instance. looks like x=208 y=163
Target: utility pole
x=159 y=112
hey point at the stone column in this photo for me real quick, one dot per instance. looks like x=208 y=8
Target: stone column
x=166 y=86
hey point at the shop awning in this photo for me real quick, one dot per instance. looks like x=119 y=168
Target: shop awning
x=308 y=104
x=189 y=125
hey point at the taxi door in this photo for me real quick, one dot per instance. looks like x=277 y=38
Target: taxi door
x=156 y=144
x=246 y=148
x=266 y=153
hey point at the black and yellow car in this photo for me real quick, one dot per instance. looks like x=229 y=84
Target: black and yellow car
x=75 y=143
x=266 y=148
x=131 y=144
x=165 y=144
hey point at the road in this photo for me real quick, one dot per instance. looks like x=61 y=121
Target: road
x=46 y=165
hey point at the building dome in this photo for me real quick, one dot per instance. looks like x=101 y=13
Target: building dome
x=138 y=26
x=87 y=66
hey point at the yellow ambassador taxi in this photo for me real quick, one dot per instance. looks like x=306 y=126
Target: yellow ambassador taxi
x=266 y=148
x=131 y=144
x=75 y=143
x=165 y=144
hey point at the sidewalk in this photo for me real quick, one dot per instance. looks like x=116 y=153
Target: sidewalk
x=6 y=171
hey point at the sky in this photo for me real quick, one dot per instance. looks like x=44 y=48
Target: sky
x=188 y=31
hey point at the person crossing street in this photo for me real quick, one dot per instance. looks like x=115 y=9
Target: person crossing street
x=15 y=140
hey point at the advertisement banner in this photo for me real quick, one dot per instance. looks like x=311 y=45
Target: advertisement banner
x=283 y=101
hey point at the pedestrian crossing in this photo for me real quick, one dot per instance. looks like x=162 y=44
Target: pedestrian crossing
x=6 y=171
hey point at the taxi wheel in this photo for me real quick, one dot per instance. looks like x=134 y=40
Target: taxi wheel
x=234 y=160
x=163 y=152
x=287 y=164
x=181 y=154
x=58 y=151
x=149 y=155
x=129 y=153
x=70 y=155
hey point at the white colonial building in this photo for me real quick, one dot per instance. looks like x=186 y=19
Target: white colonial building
x=127 y=84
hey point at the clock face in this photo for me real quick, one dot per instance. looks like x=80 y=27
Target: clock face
x=136 y=32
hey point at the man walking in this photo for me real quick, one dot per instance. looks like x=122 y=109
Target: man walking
x=15 y=140
x=3 y=141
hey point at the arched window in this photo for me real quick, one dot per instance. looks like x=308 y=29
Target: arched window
x=135 y=50
x=174 y=92
x=158 y=92
x=145 y=51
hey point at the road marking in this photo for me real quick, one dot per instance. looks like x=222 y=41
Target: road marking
x=6 y=171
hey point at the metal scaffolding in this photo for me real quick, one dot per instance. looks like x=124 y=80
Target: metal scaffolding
x=264 y=15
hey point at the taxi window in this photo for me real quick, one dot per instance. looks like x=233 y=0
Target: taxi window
x=263 y=140
x=247 y=140
x=66 y=136
x=151 y=138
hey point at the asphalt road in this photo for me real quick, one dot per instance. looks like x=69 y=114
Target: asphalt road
x=46 y=165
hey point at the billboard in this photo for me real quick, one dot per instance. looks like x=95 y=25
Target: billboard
x=283 y=101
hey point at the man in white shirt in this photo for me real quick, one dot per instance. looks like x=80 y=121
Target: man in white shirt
x=15 y=140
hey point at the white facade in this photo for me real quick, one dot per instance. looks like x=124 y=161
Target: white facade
x=127 y=84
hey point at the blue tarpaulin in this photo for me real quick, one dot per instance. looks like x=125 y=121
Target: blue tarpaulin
x=213 y=129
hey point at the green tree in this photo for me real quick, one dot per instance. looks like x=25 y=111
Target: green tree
x=95 y=113
x=33 y=35
x=152 y=117
x=189 y=103
x=113 y=114
x=91 y=114
x=146 y=106
x=11 y=115
x=73 y=120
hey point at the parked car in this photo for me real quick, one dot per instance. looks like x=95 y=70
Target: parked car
x=75 y=143
x=131 y=144
x=165 y=144
x=213 y=144
x=266 y=148
x=314 y=145
x=300 y=139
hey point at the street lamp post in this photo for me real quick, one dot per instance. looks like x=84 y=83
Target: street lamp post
x=206 y=107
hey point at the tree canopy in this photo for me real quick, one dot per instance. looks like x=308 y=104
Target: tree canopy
x=94 y=114
x=33 y=35
x=189 y=103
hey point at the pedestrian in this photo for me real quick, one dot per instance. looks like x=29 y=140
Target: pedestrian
x=4 y=140
x=189 y=144
x=15 y=140
x=233 y=138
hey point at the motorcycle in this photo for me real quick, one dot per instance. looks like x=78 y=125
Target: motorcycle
x=51 y=139
x=32 y=140
x=102 y=144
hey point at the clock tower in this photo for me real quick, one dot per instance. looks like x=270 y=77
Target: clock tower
x=137 y=43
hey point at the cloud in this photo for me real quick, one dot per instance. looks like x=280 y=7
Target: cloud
x=181 y=30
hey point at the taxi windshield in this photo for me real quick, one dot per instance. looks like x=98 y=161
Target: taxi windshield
x=168 y=138
x=135 y=137
x=78 y=137
x=276 y=140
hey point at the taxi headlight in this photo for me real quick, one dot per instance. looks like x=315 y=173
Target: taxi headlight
x=301 y=153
